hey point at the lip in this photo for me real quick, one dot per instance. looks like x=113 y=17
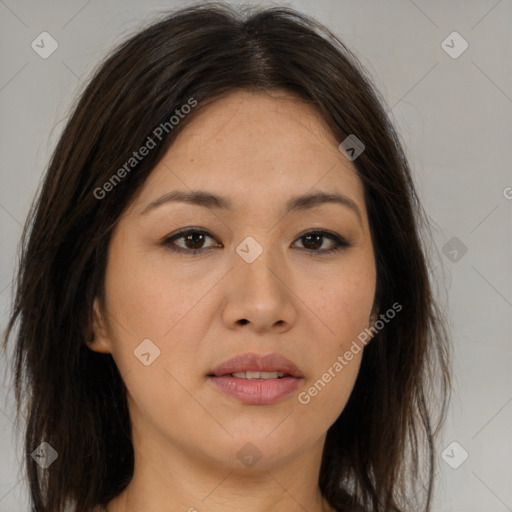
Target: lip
x=252 y=362
x=257 y=391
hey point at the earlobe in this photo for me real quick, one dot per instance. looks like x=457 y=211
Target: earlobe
x=98 y=340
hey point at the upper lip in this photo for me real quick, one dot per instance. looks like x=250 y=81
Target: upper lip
x=252 y=362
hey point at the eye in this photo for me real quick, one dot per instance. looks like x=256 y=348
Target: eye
x=193 y=239
x=314 y=239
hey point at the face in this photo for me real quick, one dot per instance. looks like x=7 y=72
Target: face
x=190 y=286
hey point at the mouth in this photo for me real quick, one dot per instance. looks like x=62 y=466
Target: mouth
x=253 y=379
x=258 y=375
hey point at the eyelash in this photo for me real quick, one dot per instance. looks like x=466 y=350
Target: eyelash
x=340 y=243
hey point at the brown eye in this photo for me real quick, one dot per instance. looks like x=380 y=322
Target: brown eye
x=313 y=240
x=193 y=241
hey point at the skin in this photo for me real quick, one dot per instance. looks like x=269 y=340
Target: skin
x=259 y=150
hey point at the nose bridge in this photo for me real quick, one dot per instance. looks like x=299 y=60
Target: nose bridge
x=260 y=293
x=260 y=263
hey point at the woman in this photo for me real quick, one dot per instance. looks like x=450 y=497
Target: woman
x=223 y=299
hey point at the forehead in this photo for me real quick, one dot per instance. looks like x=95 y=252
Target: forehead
x=255 y=147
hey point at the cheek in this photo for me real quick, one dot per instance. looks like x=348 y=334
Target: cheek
x=337 y=363
x=325 y=396
x=345 y=304
x=151 y=301
x=150 y=318
x=148 y=295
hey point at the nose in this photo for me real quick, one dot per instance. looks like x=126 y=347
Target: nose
x=260 y=295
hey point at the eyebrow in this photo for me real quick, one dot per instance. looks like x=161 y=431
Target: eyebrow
x=210 y=200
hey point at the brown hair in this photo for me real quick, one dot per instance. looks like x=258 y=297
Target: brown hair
x=74 y=398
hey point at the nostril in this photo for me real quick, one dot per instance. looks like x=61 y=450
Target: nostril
x=243 y=321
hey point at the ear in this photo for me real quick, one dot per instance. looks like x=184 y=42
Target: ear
x=374 y=316
x=99 y=341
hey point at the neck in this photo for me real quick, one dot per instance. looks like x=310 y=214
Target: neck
x=170 y=479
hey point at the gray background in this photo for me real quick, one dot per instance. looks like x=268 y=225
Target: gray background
x=454 y=116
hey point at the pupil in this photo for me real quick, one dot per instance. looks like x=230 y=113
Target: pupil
x=315 y=245
x=196 y=244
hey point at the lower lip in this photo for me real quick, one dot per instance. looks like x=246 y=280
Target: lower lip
x=257 y=391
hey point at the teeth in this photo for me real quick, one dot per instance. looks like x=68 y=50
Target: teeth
x=258 y=375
